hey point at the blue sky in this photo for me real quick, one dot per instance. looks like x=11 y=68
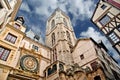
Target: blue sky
x=36 y=13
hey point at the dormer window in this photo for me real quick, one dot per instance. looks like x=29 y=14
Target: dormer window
x=20 y=20
x=103 y=6
x=36 y=37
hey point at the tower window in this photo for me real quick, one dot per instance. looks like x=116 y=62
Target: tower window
x=103 y=6
x=114 y=38
x=53 y=38
x=105 y=20
x=53 y=23
x=4 y=53
x=11 y=38
x=68 y=36
x=81 y=56
x=65 y=22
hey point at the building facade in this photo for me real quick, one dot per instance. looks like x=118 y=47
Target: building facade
x=107 y=18
x=8 y=10
x=62 y=57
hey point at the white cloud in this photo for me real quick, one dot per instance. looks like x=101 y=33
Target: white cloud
x=97 y=36
x=25 y=7
x=80 y=9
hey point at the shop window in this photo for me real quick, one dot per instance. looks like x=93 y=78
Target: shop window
x=105 y=20
x=4 y=53
x=81 y=56
x=11 y=38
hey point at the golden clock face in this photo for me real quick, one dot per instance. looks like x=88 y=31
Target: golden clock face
x=29 y=63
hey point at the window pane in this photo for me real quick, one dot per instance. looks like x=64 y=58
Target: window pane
x=4 y=53
x=105 y=20
x=103 y=6
x=4 y=56
x=11 y=38
x=114 y=38
x=8 y=37
x=1 y=51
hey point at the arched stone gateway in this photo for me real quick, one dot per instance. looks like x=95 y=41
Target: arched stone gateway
x=97 y=78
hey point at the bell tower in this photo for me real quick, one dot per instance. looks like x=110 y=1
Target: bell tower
x=60 y=36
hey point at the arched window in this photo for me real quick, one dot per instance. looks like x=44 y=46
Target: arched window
x=54 y=68
x=53 y=38
x=49 y=71
x=68 y=36
x=65 y=22
x=53 y=23
x=61 y=68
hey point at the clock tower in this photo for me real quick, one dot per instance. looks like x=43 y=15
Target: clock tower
x=60 y=36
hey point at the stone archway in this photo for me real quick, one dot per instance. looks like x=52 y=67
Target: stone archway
x=97 y=78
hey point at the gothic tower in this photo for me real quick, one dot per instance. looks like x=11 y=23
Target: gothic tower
x=60 y=36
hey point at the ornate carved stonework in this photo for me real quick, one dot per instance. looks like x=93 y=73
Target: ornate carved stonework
x=29 y=63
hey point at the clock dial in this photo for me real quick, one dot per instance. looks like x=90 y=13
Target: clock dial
x=29 y=63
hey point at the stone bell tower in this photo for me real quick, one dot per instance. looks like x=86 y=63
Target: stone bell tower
x=60 y=36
